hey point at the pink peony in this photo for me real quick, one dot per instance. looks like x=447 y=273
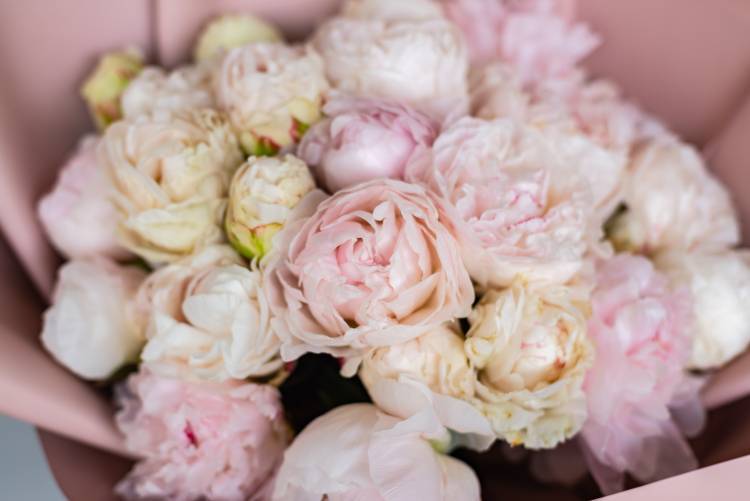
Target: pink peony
x=357 y=453
x=519 y=208
x=642 y=340
x=201 y=441
x=364 y=139
x=538 y=37
x=77 y=214
x=373 y=266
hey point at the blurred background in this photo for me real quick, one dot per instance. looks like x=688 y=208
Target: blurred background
x=24 y=473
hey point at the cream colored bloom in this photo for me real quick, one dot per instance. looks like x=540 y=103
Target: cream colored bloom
x=103 y=88
x=230 y=31
x=91 y=327
x=720 y=286
x=171 y=174
x=673 y=202
x=154 y=89
x=436 y=358
x=420 y=63
x=531 y=351
x=272 y=93
x=393 y=10
x=262 y=194
x=209 y=319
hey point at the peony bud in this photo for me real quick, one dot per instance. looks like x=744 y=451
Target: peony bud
x=262 y=194
x=103 y=88
x=230 y=31
x=720 y=285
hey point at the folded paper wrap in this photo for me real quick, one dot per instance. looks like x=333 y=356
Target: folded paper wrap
x=680 y=58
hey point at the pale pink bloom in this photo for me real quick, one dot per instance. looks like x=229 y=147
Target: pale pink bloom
x=363 y=139
x=200 y=441
x=538 y=37
x=641 y=332
x=356 y=452
x=78 y=215
x=374 y=265
x=518 y=206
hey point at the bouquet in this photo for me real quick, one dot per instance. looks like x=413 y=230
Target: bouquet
x=313 y=271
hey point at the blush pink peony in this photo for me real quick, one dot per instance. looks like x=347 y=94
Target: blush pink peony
x=78 y=213
x=200 y=441
x=641 y=332
x=518 y=207
x=374 y=265
x=538 y=37
x=363 y=139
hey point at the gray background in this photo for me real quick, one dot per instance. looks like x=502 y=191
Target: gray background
x=24 y=474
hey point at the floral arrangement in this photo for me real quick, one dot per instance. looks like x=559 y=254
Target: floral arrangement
x=311 y=271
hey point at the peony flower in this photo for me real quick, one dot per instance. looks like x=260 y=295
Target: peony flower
x=231 y=31
x=593 y=126
x=392 y=10
x=481 y=23
x=171 y=174
x=373 y=456
x=436 y=358
x=419 y=63
x=428 y=372
x=531 y=351
x=539 y=37
x=262 y=194
x=595 y=109
x=272 y=93
x=362 y=139
x=77 y=214
x=519 y=209
x=209 y=319
x=103 y=88
x=155 y=90
x=720 y=285
x=200 y=441
x=374 y=265
x=640 y=331
x=673 y=202
x=92 y=328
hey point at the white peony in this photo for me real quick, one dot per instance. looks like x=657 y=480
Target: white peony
x=531 y=351
x=171 y=173
x=208 y=319
x=429 y=372
x=420 y=63
x=262 y=195
x=393 y=10
x=720 y=286
x=272 y=93
x=673 y=202
x=92 y=327
x=372 y=456
x=157 y=90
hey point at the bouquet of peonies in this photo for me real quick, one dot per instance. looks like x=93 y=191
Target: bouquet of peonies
x=311 y=271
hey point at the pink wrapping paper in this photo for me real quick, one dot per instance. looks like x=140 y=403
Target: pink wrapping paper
x=686 y=60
